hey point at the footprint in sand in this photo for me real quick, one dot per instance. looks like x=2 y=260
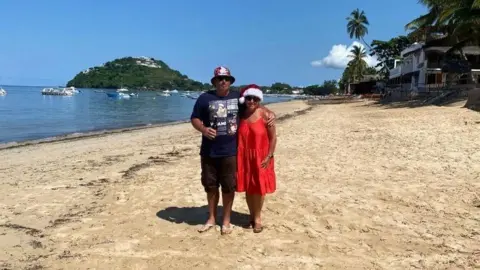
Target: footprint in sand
x=121 y=197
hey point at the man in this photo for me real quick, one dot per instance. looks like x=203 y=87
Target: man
x=216 y=116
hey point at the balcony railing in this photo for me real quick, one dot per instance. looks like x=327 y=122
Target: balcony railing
x=396 y=72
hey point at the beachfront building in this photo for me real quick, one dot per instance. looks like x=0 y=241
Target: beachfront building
x=421 y=68
x=369 y=84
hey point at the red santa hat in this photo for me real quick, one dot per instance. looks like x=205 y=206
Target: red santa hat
x=250 y=90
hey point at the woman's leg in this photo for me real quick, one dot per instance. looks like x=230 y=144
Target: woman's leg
x=257 y=211
x=250 y=209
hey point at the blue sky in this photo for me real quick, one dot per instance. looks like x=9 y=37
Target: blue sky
x=48 y=42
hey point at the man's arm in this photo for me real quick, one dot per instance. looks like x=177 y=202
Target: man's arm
x=198 y=124
x=270 y=115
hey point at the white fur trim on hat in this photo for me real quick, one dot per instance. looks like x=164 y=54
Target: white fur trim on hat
x=251 y=92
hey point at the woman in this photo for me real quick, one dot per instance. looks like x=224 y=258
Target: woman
x=256 y=145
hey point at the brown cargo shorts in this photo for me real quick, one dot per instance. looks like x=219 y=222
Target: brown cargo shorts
x=219 y=172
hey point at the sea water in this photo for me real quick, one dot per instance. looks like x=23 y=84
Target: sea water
x=26 y=114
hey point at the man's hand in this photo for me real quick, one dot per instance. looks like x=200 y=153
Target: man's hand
x=209 y=133
x=270 y=118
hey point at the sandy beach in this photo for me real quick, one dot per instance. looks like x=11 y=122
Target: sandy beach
x=360 y=186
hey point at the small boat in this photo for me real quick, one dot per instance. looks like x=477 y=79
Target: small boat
x=72 y=89
x=133 y=94
x=122 y=89
x=192 y=96
x=174 y=91
x=57 y=92
x=3 y=92
x=118 y=95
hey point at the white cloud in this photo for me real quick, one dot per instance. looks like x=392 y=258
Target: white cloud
x=338 y=57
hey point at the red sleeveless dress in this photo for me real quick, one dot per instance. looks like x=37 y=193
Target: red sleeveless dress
x=253 y=146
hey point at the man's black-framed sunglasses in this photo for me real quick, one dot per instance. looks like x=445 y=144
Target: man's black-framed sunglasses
x=254 y=98
x=223 y=78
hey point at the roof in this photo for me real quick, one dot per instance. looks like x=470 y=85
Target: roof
x=412 y=48
x=368 y=78
x=473 y=50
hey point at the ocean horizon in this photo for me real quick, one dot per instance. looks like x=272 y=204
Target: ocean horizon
x=27 y=115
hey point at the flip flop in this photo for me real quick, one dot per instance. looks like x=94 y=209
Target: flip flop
x=205 y=227
x=258 y=230
x=227 y=229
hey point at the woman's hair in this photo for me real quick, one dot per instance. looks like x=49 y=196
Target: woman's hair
x=241 y=108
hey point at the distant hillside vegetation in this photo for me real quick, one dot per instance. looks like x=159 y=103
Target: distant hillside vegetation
x=136 y=73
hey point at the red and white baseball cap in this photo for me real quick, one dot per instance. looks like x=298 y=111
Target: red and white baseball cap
x=222 y=72
x=250 y=90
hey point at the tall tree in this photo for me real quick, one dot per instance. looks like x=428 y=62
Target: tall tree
x=357 y=64
x=357 y=25
x=387 y=52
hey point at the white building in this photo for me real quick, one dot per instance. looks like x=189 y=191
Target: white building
x=421 y=67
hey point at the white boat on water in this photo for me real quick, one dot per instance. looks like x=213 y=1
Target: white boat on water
x=72 y=89
x=118 y=95
x=3 y=92
x=192 y=96
x=58 y=92
x=122 y=89
x=174 y=91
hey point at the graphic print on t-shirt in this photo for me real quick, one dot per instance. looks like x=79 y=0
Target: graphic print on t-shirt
x=223 y=116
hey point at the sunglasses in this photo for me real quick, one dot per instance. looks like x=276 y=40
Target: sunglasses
x=223 y=78
x=252 y=98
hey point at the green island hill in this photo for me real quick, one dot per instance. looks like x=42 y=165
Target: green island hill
x=146 y=73
x=142 y=73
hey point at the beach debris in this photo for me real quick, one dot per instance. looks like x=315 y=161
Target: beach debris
x=27 y=230
x=130 y=172
x=59 y=221
x=36 y=244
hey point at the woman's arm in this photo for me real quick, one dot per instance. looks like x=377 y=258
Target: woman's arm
x=272 y=138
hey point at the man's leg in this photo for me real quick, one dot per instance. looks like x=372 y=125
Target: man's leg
x=210 y=184
x=228 y=180
x=212 y=197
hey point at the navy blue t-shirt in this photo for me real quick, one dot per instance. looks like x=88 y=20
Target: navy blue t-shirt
x=221 y=114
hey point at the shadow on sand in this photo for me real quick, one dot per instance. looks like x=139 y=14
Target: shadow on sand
x=198 y=215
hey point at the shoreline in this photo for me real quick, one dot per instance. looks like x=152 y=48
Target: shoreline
x=84 y=135
x=104 y=132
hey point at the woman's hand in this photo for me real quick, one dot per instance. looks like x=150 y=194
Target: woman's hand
x=266 y=161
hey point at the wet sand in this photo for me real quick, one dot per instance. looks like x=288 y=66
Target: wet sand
x=360 y=186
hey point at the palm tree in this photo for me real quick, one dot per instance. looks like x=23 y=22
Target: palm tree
x=357 y=25
x=357 y=65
